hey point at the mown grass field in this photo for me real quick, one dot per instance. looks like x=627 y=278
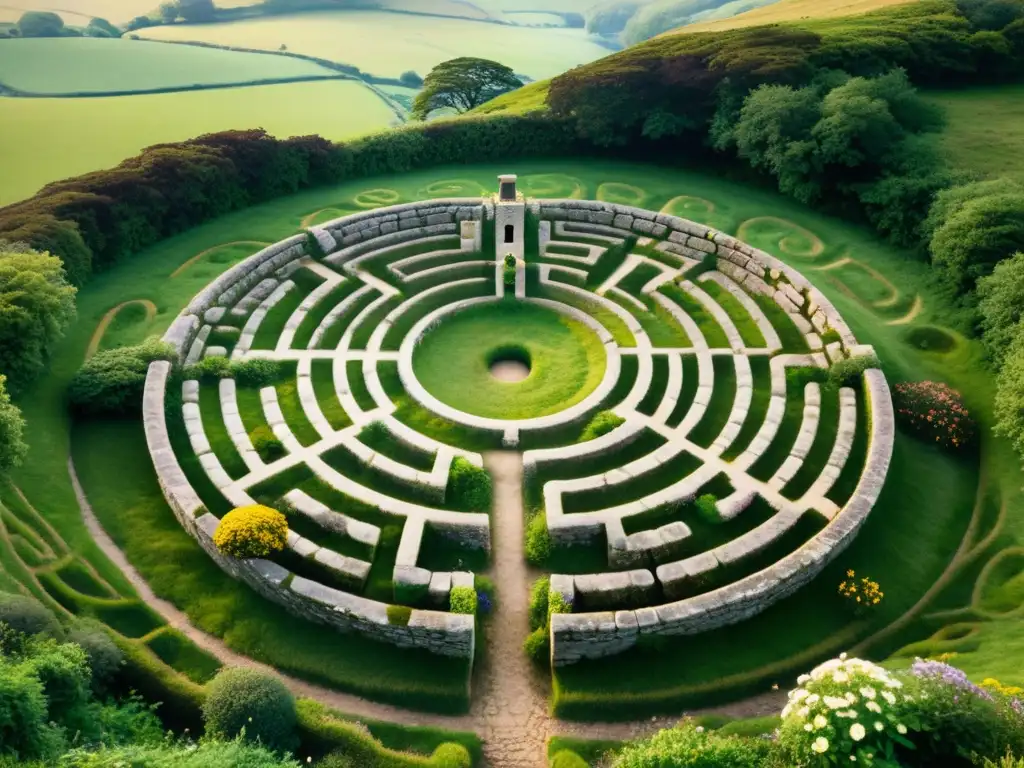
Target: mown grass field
x=789 y=10
x=907 y=544
x=44 y=140
x=984 y=129
x=388 y=44
x=80 y=65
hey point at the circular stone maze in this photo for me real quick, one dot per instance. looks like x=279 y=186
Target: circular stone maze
x=699 y=429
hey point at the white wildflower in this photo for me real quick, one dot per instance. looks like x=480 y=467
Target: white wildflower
x=819 y=722
x=867 y=692
x=820 y=745
x=901 y=729
x=857 y=732
x=873 y=706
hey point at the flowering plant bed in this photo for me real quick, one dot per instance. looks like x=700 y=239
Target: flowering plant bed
x=936 y=412
x=862 y=594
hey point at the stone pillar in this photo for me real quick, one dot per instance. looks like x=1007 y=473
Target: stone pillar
x=509 y=226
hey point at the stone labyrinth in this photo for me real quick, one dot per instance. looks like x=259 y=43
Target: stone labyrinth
x=731 y=466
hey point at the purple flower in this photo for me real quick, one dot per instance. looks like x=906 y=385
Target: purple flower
x=949 y=675
x=483 y=603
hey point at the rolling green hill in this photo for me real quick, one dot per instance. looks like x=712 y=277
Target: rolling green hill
x=788 y=10
x=82 y=65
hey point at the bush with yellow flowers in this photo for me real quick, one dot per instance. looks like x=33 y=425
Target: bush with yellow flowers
x=862 y=595
x=253 y=531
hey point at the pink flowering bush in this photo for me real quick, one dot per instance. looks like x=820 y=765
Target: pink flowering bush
x=936 y=412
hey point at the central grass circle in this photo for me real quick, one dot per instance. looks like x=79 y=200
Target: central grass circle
x=565 y=358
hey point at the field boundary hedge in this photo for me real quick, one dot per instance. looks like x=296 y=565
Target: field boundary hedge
x=19 y=94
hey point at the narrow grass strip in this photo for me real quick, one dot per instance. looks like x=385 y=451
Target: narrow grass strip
x=294 y=415
x=217 y=432
x=316 y=315
x=687 y=393
x=460 y=272
x=332 y=336
x=664 y=475
x=637 y=278
x=349 y=465
x=403 y=324
x=745 y=324
x=656 y=391
x=361 y=335
x=790 y=336
x=722 y=397
x=761 y=374
x=273 y=324
x=846 y=483
x=322 y=376
x=386 y=444
x=709 y=327
x=357 y=385
x=608 y=262
x=821 y=448
x=780 y=448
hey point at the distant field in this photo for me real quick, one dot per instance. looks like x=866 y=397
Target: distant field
x=90 y=65
x=529 y=98
x=985 y=130
x=42 y=140
x=388 y=44
x=790 y=10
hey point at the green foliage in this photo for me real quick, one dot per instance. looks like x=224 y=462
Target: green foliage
x=27 y=734
x=243 y=699
x=689 y=746
x=99 y=27
x=399 y=615
x=111 y=382
x=210 y=369
x=105 y=658
x=463 y=600
x=411 y=79
x=1009 y=399
x=849 y=372
x=537 y=646
x=256 y=372
x=508 y=274
x=208 y=753
x=539 y=602
x=40 y=24
x=28 y=616
x=602 y=423
x=462 y=84
x=567 y=759
x=36 y=305
x=538 y=540
x=469 y=487
x=973 y=228
x=13 y=447
x=707 y=507
x=266 y=443
x=1001 y=305
x=936 y=412
x=63 y=670
x=451 y=756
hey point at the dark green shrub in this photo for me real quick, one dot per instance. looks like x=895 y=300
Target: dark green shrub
x=567 y=759
x=63 y=669
x=469 y=487
x=602 y=423
x=111 y=382
x=338 y=760
x=374 y=432
x=105 y=658
x=28 y=616
x=129 y=721
x=463 y=600
x=240 y=698
x=537 y=646
x=266 y=443
x=399 y=615
x=707 y=507
x=850 y=372
x=208 y=753
x=539 y=602
x=411 y=79
x=256 y=372
x=451 y=755
x=210 y=369
x=25 y=728
x=538 y=540
x=508 y=274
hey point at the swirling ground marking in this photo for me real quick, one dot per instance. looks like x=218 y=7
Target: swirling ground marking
x=374 y=198
x=688 y=206
x=553 y=185
x=624 y=194
x=915 y=310
x=455 y=188
x=208 y=251
x=889 y=301
x=108 y=318
x=310 y=219
x=788 y=244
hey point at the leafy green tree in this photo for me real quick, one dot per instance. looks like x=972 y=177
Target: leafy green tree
x=991 y=14
x=1001 y=304
x=40 y=24
x=169 y=11
x=197 y=11
x=976 y=234
x=102 y=28
x=13 y=447
x=1009 y=400
x=462 y=84
x=36 y=304
x=411 y=79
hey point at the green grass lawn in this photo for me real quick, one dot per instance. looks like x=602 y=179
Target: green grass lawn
x=36 y=149
x=566 y=360
x=60 y=66
x=387 y=44
x=984 y=129
x=924 y=508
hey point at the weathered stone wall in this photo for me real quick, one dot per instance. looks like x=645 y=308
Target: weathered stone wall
x=446 y=634
x=579 y=636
